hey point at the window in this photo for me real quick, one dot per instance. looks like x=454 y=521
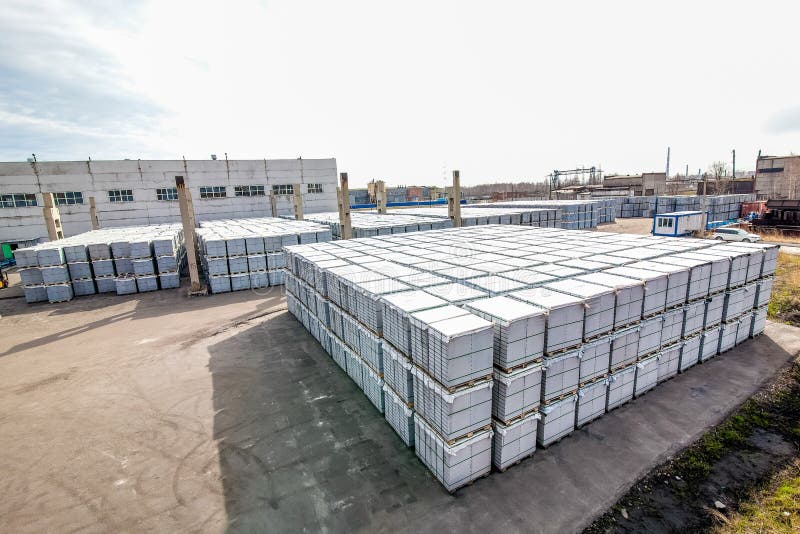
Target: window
x=17 y=200
x=167 y=193
x=315 y=188
x=284 y=189
x=248 y=190
x=120 y=195
x=216 y=191
x=68 y=197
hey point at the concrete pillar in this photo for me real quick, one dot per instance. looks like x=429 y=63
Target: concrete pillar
x=93 y=214
x=344 y=207
x=52 y=217
x=380 y=196
x=188 y=221
x=273 y=205
x=454 y=201
x=298 y=202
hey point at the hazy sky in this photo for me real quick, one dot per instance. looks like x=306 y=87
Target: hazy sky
x=403 y=91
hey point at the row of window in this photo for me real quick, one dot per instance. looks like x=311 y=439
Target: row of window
x=66 y=198
x=17 y=200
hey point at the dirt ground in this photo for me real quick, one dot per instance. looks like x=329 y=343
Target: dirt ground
x=634 y=225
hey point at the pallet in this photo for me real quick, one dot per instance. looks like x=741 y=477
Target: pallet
x=598 y=336
x=467 y=484
x=592 y=380
x=654 y=314
x=516 y=463
x=648 y=355
x=558 y=440
x=516 y=418
x=609 y=410
x=559 y=352
x=510 y=370
x=465 y=437
x=560 y=397
x=624 y=365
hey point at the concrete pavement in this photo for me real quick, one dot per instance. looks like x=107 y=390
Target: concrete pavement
x=154 y=412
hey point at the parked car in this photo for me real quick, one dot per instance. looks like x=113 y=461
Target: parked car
x=735 y=234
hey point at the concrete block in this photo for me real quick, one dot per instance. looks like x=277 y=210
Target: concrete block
x=514 y=442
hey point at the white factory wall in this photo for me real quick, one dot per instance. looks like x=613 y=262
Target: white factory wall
x=96 y=178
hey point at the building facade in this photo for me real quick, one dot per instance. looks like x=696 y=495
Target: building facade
x=778 y=177
x=136 y=192
x=647 y=183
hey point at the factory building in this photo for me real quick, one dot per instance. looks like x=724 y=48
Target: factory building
x=778 y=177
x=141 y=192
x=645 y=184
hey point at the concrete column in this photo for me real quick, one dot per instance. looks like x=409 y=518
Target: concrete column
x=344 y=207
x=298 y=202
x=52 y=217
x=380 y=196
x=188 y=221
x=454 y=201
x=273 y=205
x=93 y=214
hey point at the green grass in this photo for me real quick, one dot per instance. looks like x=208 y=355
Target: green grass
x=774 y=508
x=697 y=461
x=784 y=306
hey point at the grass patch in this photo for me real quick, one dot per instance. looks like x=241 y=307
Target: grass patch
x=774 y=508
x=784 y=306
x=733 y=433
x=775 y=235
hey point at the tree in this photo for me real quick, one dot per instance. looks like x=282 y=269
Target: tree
x=718 y=172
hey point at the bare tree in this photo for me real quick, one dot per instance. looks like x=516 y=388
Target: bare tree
x=718 y=172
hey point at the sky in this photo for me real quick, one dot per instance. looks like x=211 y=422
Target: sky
x=403 y=91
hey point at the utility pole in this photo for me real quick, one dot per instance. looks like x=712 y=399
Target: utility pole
x=667 y=163
x=454 y=200
x=705 y=188
x=345 y=227
x=187 y=219
x=734 y=163
x=93 y=214
x=52 y=218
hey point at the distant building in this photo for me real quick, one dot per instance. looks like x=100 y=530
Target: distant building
x=138 y=192
x=778 y=177
x=727 y=186
x=645 y=184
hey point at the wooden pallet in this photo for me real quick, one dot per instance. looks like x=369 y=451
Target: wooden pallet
x=558 y=440
x=467 y=484
x=622 y=366
x=559 y=352
x=597 y=337
x=517 y=462
x=465 y=437
x=560 y=397
x=592 y=380
x=517 y=418
x=525 y=365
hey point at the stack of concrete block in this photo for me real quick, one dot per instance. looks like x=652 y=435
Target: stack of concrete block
x=366 y=224
x=122 y=259
x=472 y=216
x=573 y=214
x=239 y=254
x=467 y=369
x=718 y=207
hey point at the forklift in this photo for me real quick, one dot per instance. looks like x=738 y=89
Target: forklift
x=6 y=260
